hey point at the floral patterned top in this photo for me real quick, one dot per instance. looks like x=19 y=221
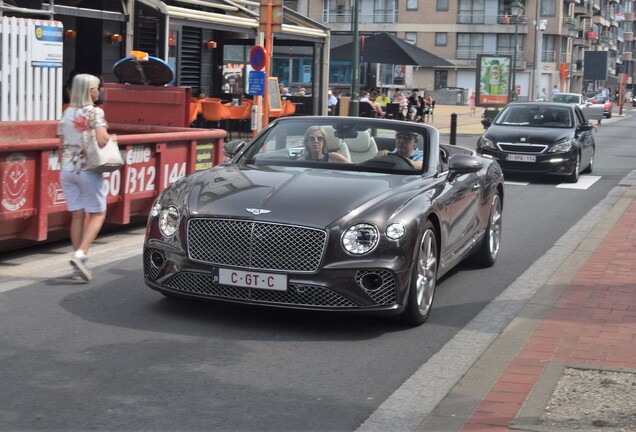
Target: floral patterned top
x=75 y=128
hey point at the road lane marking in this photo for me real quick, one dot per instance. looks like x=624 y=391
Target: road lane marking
x=584 y=183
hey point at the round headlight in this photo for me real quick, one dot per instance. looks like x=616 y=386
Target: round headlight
x=395 y=231
x=360 y=239
x=169 y=221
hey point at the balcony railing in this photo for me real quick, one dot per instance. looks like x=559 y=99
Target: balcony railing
x=471 y=18
x=386 y=17
x=548 y=56
x=471 y=53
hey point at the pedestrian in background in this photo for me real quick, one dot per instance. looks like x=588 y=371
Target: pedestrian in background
x=471 y=103
x=542 y=95
x=555 y=90
x=81 y=125
x=383 y=99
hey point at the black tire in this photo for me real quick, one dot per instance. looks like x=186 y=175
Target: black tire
x=423 y=280
x=574 y=177
x=486 y=255
x=590 y=167
x=608 y=115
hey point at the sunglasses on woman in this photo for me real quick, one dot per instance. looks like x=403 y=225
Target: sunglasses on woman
x=312 y=138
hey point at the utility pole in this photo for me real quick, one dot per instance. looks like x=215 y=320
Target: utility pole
x=354 y=103
x=540 y=26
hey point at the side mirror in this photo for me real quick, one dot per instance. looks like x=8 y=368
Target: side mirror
x=232 y=148
x=584 y=127
x=486 y=122
x=463 y=164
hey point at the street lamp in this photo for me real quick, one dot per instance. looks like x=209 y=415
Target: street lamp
x=517 y=10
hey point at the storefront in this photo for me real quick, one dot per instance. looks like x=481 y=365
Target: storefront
x=208 y=44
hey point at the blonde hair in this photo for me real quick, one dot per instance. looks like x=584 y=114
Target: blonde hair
x=311 y=130
x=80 y=90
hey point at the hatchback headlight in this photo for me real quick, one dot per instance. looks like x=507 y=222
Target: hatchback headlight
x=169 y=221
x=360 y=239
x=484 y=142
x=562 y=147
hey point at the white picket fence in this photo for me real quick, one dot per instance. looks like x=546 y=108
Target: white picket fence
x=26 y=92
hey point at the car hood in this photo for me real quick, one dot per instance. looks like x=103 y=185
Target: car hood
x=311 y=197
x=530 y=135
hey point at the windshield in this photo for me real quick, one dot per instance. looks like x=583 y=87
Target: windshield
x=535 y=116
x=565 y=98
x=345 y=143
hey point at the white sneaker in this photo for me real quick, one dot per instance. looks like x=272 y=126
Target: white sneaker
x=77 y=275
x=82 y=266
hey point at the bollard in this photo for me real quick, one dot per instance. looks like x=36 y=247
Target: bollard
x=453 y=129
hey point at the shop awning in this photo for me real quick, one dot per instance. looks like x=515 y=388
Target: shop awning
x=242 y=15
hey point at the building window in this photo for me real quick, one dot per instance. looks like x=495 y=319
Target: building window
x=383 y=11
x=441 y=79
x=469 y=45
x=471 y=12
x=411 y=37
x=548 y=53
x=412 y=5
x=506 y=44
x=442 y=5
x=441 y=39
x=548 y=8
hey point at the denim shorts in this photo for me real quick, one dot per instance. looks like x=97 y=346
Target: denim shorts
x=84 y=191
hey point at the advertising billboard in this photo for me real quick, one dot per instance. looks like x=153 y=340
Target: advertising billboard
x=493 y=80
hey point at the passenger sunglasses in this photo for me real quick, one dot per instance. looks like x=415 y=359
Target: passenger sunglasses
x=312 y=138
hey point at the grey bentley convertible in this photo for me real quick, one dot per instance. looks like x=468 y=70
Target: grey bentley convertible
x=327 y=213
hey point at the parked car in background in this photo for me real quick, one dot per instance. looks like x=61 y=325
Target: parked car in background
x=540 y=137
x=604 y=103
x=634 y=100
x=371 y=230
x=590 y=110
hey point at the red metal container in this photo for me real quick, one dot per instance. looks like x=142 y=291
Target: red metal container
x=32 y=203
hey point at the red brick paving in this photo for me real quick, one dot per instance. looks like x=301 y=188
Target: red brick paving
x=592 y=324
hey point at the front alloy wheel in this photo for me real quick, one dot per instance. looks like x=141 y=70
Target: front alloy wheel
x=424 y=279
x=487 y=254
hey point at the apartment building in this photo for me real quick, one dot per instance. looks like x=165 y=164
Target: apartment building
x=551 y=38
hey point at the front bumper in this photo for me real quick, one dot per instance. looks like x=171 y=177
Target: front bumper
x=377 y=289
x=552 y=163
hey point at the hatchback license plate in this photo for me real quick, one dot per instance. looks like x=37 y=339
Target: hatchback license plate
x=521 y=158
x=250 y=279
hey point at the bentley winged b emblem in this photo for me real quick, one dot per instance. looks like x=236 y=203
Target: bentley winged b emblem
x=256 y=211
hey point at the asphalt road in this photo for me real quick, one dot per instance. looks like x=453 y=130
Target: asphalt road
x=114 y=355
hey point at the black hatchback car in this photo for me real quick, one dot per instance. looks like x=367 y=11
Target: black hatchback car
x=540 y=137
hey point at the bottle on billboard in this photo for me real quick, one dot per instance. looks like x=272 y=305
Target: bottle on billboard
x=495 y=77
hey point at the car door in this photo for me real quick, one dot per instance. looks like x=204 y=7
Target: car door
x=584 y=138
x=590 y=110
x=460 y=203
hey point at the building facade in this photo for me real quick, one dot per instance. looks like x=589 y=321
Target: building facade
x=551 y=38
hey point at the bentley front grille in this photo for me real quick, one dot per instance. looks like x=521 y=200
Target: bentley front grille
x=296 y=294
x=255 y=245
x=522 y=148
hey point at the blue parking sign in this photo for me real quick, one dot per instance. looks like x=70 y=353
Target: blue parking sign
x=256 y=83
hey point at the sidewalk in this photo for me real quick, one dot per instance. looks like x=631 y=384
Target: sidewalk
x=466 y=124
x=577 y=334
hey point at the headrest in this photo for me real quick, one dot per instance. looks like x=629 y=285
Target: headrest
x=333 y=143
x=361 y=143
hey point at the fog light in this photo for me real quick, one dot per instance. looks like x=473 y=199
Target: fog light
x=371 y=282
x=158 y=260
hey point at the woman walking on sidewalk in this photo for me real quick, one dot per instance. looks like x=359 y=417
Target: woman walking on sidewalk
x=83 y=189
